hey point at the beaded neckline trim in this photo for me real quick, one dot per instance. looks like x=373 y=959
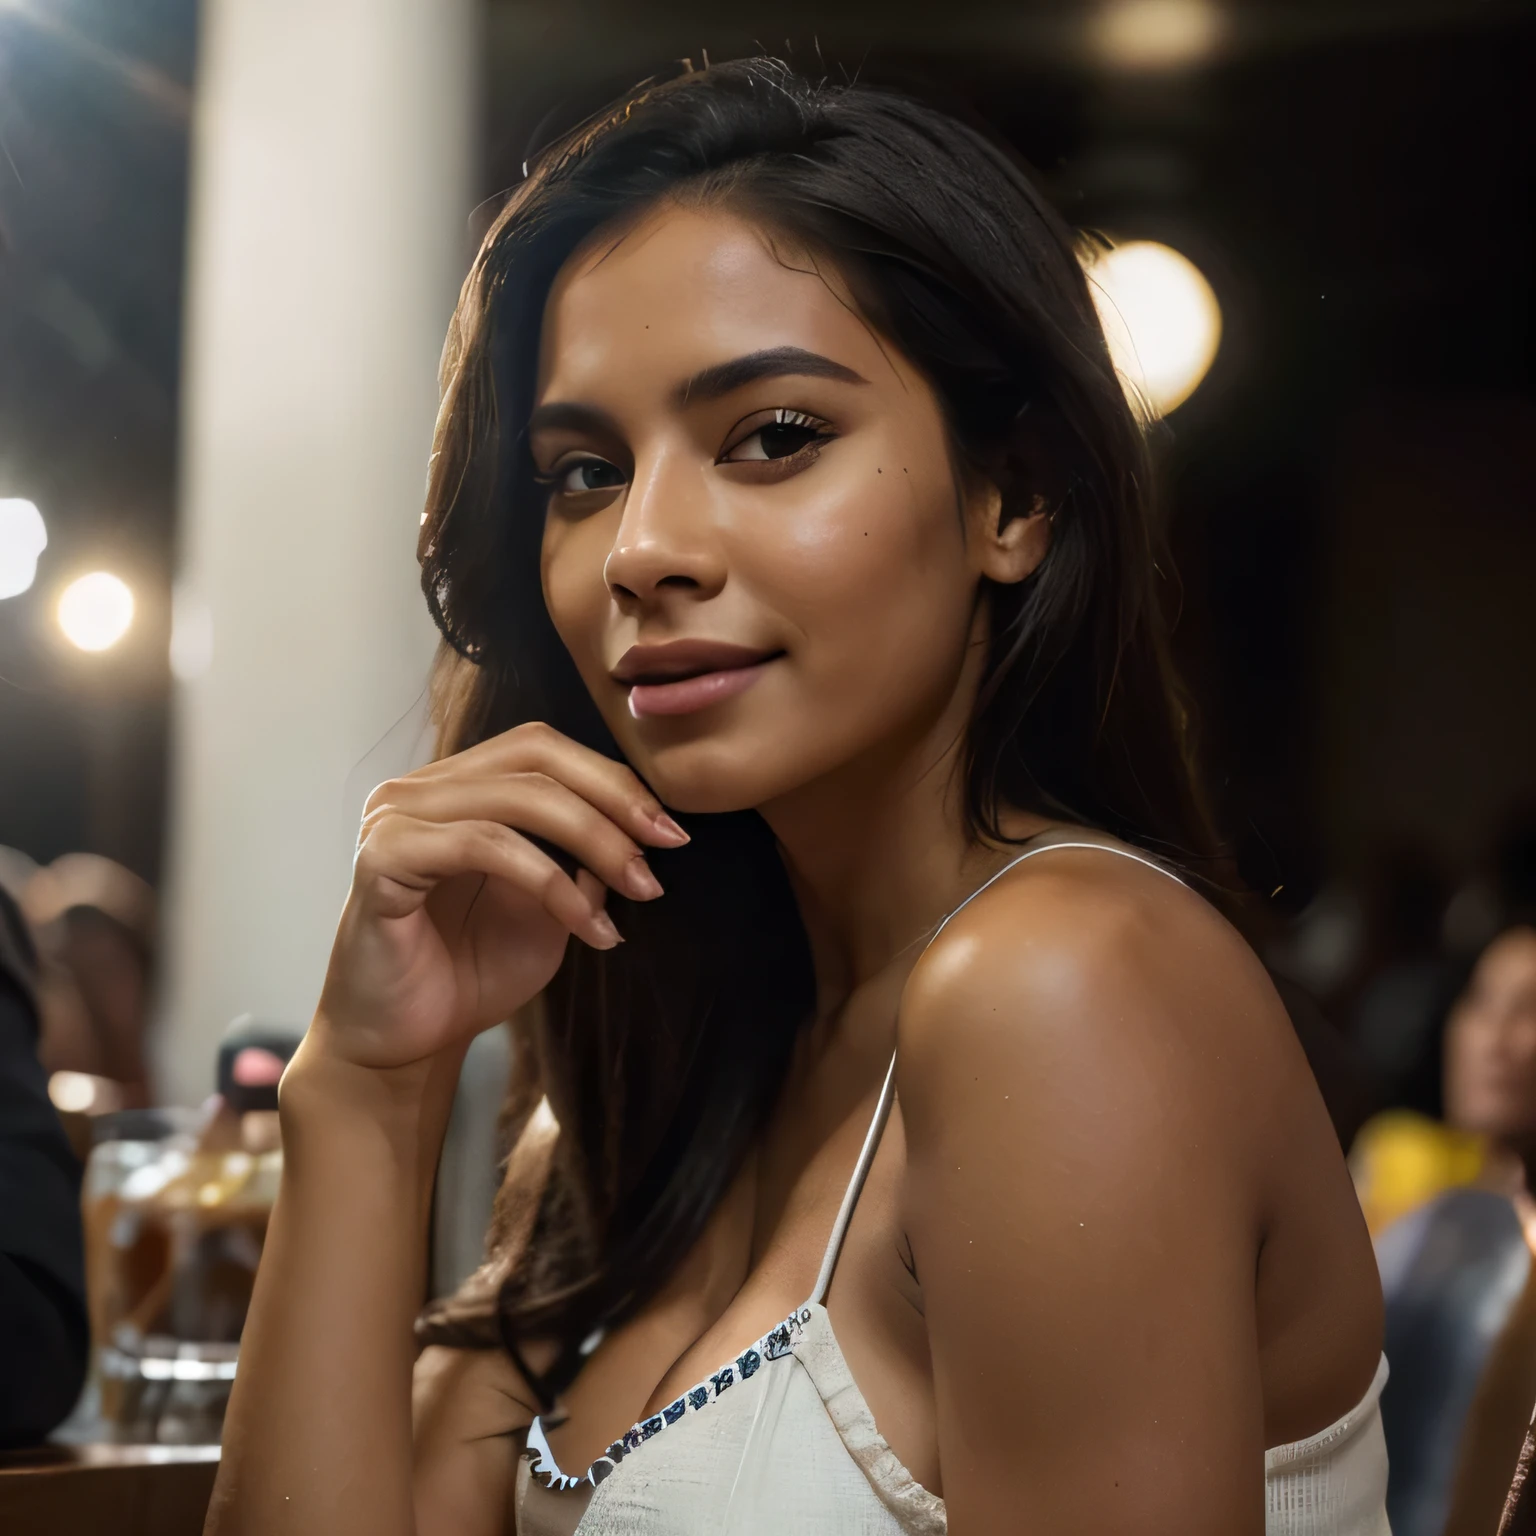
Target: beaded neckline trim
x=773 y=1345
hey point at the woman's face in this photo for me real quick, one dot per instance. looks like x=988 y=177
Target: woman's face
x=1490 y=1057
x=756 y=548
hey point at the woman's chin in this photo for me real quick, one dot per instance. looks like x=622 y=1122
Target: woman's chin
x=706 y=799
x=711 y=783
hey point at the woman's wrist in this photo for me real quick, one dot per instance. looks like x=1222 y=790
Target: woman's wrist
x=326 y=1099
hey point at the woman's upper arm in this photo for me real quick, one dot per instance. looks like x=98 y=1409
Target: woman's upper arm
x=468 y=1420
x=1080 y=1203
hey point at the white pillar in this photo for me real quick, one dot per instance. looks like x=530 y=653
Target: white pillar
x=331 y=187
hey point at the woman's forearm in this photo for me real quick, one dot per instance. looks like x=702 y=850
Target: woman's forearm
x=454 y=921
x=318 y=1437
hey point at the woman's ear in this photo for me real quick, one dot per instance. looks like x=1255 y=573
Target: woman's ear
x=1008 y=548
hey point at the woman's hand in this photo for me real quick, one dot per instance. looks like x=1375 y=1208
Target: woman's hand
x=456 y=918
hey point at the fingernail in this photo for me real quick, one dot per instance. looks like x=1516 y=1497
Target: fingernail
x=669 y=830
x=639 y=881
x=602 y=926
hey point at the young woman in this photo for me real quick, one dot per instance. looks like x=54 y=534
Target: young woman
x=930 y=1156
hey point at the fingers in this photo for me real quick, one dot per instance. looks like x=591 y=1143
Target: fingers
x=592 y=889
x=531 y=803
x=401 y=859
x=613 y=788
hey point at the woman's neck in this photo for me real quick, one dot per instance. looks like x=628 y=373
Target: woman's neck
x=879 y=850
x=878 y=857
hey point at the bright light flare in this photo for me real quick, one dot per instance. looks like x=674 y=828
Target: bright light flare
x=1160 y=317
x=1157 y=34
x=79 y=1093
x=95 y=611
x=22 y=539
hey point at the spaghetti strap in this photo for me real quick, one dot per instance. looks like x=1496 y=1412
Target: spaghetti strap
x=856 y=1183
x=888 y=1088
x=1029 y=853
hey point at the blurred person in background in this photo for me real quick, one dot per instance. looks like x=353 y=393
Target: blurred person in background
x=1490 y=1057
x=16 y=869
x=44 y=1336
x=1455 y=1269
x=1416 y=1148
x=1426 y=944
x=94 y=926
x=783 y=476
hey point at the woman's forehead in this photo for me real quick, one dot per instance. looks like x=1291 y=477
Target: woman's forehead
x=686 y=288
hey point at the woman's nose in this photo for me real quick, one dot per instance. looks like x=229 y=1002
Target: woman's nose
x=666 y=540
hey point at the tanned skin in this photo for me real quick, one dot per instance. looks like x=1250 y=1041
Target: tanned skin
x=1108 y=1251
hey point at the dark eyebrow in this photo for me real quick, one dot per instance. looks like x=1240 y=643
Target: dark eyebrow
x=707 y=384
x=567 y=415
x=773 y=363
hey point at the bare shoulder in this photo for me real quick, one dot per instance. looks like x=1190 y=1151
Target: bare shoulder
x=1121 y=1188
x=1093 y=977
x=1093 y=1069
x=468 y=1409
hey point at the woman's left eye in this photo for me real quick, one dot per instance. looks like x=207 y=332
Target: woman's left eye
x=782 y=437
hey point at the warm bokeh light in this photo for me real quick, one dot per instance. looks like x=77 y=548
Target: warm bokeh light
x=22 y=539
x=1157 y=34
x=1160 y=317
x=95 y=611
x=79 y=1093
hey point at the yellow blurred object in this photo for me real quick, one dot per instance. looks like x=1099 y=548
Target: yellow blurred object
x=1401 y=1159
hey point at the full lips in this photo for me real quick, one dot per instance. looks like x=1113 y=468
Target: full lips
x=688 y=694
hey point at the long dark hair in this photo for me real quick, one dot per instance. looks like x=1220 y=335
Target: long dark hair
x=661 y=1059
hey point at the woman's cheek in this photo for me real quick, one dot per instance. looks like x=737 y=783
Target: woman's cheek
x=575 y=593
x=846 y=541
x=882 y=604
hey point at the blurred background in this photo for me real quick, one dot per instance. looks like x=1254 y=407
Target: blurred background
x=230 y=240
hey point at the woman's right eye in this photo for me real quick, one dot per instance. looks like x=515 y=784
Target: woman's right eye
x=579 y=476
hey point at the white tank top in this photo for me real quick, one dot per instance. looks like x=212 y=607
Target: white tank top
x=781 y=1440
